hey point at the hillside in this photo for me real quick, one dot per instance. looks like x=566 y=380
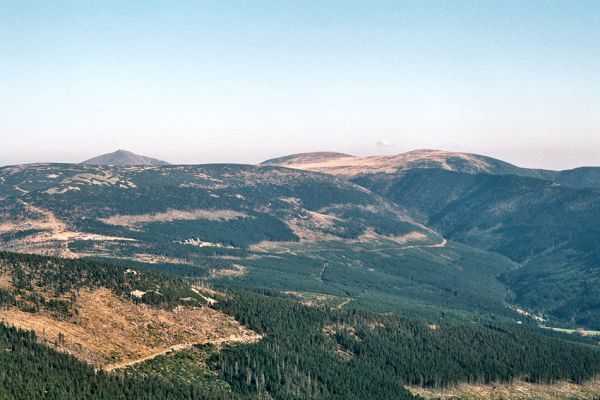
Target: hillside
x=31 y=370
x=250 y=226
x=123 y=157
x=247 y=345
x=333 y=354
x=306 y=158
x=549 y=229
x=219 y=206
x=545 y=221
x=351 y=167
x=108 y=316
x=321 y=239
x=584 y=177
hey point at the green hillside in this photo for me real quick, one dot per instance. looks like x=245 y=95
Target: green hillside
x=551 y=230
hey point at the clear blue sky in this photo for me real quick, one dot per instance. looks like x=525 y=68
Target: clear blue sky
x=205 y=81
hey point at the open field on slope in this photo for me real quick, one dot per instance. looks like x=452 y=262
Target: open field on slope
x=110 y=332
x=514 y=391
x=319 y=299
x=132 y=221
x=581 y=332
x=108 y=316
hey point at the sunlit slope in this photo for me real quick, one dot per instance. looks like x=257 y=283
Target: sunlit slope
x=350 y=167
x=225 y=205
x=386 y=167
x=108 y=316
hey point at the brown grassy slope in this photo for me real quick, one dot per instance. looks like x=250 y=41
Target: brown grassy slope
x=109 y=331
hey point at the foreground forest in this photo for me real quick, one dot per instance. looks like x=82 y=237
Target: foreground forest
x=316 y=351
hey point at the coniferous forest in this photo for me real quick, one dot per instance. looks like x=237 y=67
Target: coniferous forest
x=324 y=353
x=306 y=352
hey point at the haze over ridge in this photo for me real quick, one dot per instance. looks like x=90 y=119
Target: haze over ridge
x=242 y=84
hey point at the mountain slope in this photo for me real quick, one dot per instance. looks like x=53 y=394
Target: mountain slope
x=547 y=221
x=32 y=370
x=298 y=351
x=250 y=226
x=195 y=202
x=306 y=158
x=123 y=157
x=551 y=230
x=584 y=177
x=95 y=312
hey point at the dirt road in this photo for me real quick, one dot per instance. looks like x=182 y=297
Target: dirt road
x=185 y=346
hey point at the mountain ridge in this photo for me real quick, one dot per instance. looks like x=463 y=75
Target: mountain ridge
x=351 y=167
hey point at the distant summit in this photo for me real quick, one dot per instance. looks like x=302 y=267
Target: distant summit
x=123 y=157
x=350 y=166
x=306 y=158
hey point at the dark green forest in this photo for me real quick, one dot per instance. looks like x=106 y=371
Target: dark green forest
x=307 y=352
x=333 y=354
x=549 y=229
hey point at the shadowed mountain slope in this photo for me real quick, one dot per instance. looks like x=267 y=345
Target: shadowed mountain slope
x=553 y=231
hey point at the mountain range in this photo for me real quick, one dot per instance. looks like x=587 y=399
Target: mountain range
x=301 y=258
x=535 y=227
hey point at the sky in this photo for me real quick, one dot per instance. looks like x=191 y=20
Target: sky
x=243 y=81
